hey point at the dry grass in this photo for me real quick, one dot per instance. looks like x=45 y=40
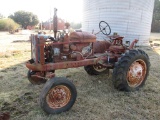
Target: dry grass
x=97 y=99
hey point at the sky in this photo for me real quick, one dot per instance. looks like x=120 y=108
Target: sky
x=70 y=10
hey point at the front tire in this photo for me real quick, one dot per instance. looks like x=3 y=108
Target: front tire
x=131 y=71
x=58 y=95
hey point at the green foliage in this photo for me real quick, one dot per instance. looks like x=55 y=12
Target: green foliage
x=25 y=18
x=8 y=25
x=156 y=17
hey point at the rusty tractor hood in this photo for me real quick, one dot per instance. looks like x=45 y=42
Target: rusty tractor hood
x=82 y=37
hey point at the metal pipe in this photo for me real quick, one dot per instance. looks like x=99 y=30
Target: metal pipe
x=55 y=22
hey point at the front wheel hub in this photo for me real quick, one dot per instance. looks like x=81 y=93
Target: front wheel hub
x=58 y=97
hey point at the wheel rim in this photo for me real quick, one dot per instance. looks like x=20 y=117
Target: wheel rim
x=99 y=68
x=136 y=73
x=58 y=97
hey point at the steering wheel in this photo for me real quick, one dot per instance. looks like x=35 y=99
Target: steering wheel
x=104 y=28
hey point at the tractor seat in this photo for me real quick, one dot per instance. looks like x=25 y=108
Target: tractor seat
x=82 y=37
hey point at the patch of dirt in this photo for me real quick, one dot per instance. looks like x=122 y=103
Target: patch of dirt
x=19 y=41
x=20 y=105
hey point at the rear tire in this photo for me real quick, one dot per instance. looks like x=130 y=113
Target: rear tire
x=58 y=95
x=95 y=69
x=131 y=71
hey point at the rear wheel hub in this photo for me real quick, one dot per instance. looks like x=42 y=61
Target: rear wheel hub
x=136 y=73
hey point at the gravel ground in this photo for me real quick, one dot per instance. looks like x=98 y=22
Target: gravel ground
x=6 y=37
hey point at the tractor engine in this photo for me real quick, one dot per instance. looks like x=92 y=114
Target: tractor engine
x=76 y=46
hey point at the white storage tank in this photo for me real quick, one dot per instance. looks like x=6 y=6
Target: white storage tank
x=129 y=18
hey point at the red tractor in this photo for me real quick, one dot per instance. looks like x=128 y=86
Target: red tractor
x=71 y=50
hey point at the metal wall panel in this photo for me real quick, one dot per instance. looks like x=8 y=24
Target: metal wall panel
x=129 y=18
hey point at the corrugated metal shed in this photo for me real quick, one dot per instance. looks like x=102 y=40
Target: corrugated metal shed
x=129 y=18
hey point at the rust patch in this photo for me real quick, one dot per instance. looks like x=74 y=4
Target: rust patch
x=82 y=37
x=61 y=65
x=58 y=97
x=101 y=46
x=136 y=73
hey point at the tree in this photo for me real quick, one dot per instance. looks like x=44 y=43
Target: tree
x=156 y=17
x=25 y=18
x=8 y=25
